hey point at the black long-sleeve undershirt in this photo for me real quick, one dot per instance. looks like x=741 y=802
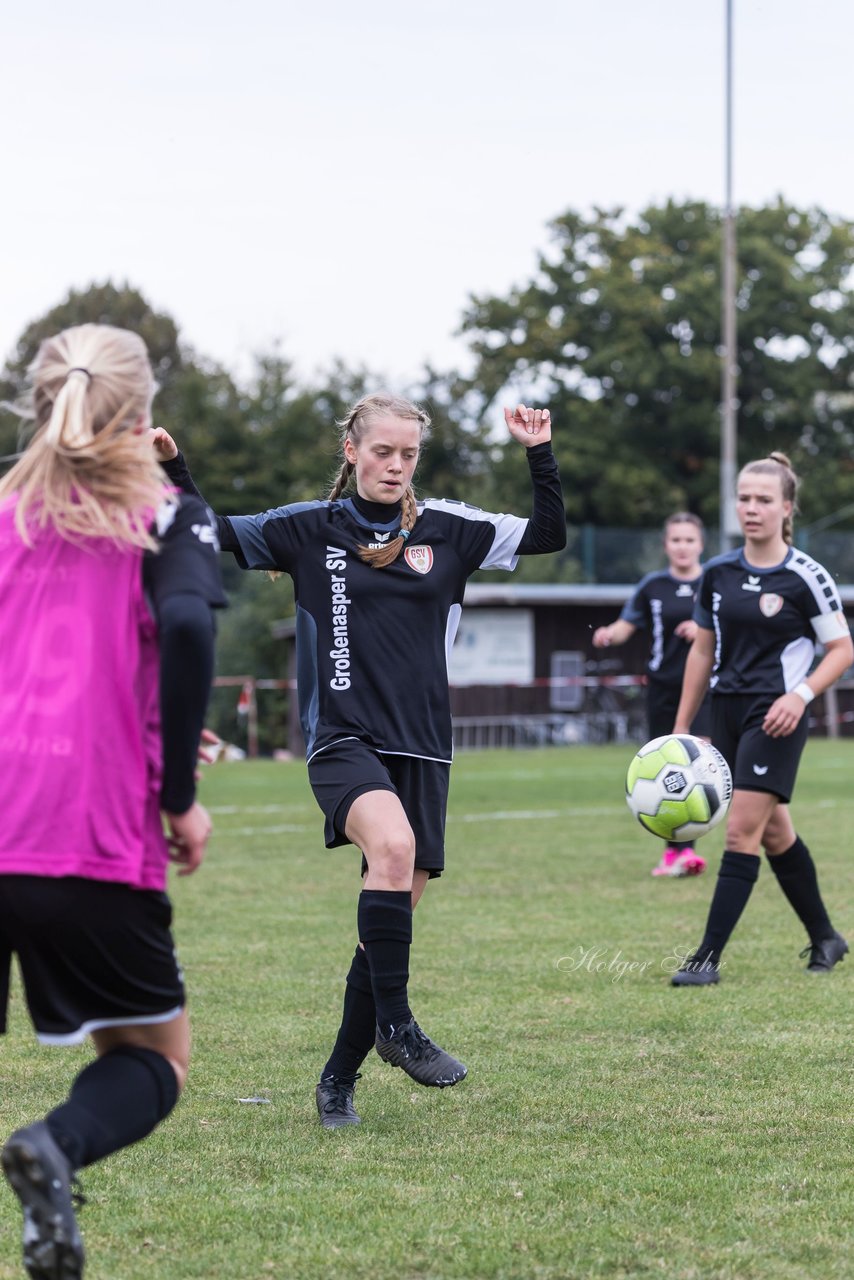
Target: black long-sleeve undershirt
x=545 y=531
x=183 y=588
x=179 y=475
x=186 y=637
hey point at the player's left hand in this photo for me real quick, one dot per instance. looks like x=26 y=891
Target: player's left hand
x=784 y=715
x=165 y=448
x=188 y=837
x=687 y=630
x=209 y=750
x=529 y=426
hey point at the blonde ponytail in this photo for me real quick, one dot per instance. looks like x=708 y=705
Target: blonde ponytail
x=85 y=473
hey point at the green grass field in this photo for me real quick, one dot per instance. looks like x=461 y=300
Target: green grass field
x=610 y=1126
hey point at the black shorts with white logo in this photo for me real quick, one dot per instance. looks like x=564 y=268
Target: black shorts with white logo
x=348 y=769
x=92 y=955
x=758 y=762
x=662 y=703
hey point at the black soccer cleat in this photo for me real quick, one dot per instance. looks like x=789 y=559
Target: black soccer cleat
x=825 y=953
x=334 y=1097
x=408 y=1047
x=41 y=1177
x=694 y=972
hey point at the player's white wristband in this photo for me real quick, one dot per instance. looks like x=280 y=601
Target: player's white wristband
x=804 y=691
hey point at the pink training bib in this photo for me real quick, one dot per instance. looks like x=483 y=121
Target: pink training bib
x=80 y=749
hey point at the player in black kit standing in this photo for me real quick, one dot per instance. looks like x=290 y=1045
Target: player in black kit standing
x=379 y=581
x=759 y=612
x=663 y=604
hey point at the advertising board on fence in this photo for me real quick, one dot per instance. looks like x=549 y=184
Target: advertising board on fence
x=493 y=646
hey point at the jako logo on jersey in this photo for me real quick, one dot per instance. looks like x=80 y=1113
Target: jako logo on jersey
x=760 y=769
x=769 y=603
x=752 y=584
x=207 y=534
x=419 y=558
x=336 y=563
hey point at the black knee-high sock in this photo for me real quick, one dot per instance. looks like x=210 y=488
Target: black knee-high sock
x=385 y=928
x=737 y=875
x=358 y=1023
x=115 y=1101
x=796 y=873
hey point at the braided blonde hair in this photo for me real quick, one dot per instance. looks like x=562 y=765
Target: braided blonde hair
x=84 y=473
x=354 y=427
x=777 y=464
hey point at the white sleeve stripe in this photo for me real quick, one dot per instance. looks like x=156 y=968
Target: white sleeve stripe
x=508 y=530
x=830 y=626
x=809 y=571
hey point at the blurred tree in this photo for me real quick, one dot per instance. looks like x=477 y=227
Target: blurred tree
x=619 y=332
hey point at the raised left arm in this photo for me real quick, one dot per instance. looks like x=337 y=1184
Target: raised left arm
x=546 y=528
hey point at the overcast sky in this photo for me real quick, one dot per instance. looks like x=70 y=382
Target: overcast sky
x=343 y=176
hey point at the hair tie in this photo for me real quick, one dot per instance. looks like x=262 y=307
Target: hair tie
x=404 y=533
x=78 y=369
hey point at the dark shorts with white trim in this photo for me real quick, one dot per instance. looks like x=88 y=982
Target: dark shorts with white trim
x=92 y=955
x=758 y=762
x=348 y=769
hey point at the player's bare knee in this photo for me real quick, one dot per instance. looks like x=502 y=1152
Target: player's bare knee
x=393 y=857
x=742 y=837
x=181 y=1067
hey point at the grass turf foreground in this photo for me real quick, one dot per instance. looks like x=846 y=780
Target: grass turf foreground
x=611 y=1126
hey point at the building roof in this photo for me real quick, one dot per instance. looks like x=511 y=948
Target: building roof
x=515 y=595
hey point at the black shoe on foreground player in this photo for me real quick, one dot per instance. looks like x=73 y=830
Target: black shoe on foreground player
x=408 y=1047
x=334 y=1097
x=825 y=954
x=696 y=972
x=41 y=1177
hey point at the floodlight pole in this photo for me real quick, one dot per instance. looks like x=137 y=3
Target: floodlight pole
x=728 y=521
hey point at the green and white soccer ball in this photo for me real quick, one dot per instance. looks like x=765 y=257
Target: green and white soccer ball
x=678 y=787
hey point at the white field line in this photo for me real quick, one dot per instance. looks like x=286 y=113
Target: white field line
x=508 y=815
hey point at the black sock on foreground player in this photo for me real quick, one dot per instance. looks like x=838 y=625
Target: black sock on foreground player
x=358 y=1023
x=737 y=875
x=385 y=928
x=797 y=877
x=115 y=1101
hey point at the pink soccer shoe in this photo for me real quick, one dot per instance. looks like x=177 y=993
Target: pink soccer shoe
x=680 y=862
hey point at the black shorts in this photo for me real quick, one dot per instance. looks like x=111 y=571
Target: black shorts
x=347 y=769
x=758 y=762
x=662 y=703
x=92 y=955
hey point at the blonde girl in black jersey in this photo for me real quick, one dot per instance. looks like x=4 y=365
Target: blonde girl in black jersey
x=379 y=581
x=759 y=610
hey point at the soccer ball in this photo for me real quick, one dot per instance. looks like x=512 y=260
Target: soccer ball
x=678 y=787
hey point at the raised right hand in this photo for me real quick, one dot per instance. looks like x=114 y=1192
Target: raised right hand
x=165 y=448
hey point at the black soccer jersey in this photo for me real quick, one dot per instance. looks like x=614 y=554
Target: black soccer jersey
x=765 y=620
x=660 y=602
x=373 y=644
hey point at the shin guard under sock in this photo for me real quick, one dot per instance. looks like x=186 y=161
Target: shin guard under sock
x=797 y=877
x=358 y=1023
x=737 y=875
x=115 y=1101
x=385 y=929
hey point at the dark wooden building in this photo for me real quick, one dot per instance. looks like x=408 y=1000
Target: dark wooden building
x=524 y=670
